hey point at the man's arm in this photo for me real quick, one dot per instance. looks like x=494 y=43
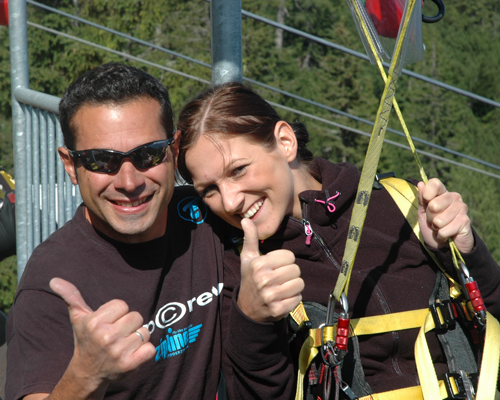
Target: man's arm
x=110 y=343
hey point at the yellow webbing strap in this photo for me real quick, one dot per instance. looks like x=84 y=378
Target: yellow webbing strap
x=413 y=393
x=489 y=366
x=388 y=322
x=370 y=165
x=299 y=314
x=405 y=195
x=488 y=374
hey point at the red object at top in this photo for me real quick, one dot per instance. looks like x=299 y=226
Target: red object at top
x=4 y=12
x=386 y=16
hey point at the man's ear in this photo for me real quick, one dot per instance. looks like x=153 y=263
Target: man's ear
x=285 y=137
x=175 y=147
x=69 y=165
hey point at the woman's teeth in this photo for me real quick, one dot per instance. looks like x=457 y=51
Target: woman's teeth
x=250 y=213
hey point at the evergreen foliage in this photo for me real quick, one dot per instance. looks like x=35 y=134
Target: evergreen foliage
x=462 y=50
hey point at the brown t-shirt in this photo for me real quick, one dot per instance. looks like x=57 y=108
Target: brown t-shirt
x=174 y=282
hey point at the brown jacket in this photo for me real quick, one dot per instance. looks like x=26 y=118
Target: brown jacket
x=392 y=273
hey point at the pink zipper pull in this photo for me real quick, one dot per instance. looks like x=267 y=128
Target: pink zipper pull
x=308 y=230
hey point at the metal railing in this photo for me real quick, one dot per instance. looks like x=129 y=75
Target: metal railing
x=46 y=199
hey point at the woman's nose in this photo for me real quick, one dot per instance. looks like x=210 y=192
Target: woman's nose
x=232 y=199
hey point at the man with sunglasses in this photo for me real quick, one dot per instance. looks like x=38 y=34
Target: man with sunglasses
x=135 y=239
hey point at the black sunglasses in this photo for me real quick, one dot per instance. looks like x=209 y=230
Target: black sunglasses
x=108 y=161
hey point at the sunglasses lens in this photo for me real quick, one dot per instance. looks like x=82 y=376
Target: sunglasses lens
x=101 y=160
x=149 y=155
x=107 y=161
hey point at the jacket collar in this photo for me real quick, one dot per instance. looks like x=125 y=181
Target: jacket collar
x=342 y=177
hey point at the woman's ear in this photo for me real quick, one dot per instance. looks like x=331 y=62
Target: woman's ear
x=285 y=137
x=69 y=164
x=175 y=146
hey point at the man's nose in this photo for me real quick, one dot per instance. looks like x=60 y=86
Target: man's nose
x=128 y=177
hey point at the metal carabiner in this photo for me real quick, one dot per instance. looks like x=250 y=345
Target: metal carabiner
x=473 y=295
x=344 y=303
x=330 y=311
x=439 y=16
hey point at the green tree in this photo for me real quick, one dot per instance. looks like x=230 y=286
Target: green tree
x=8 y=283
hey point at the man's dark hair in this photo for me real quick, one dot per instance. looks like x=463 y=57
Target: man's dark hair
x=111 y=84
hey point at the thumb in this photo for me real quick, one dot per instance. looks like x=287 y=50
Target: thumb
x=71 y=295
x=250 y=248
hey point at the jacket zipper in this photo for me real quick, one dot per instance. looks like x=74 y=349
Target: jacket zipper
x=310 y=233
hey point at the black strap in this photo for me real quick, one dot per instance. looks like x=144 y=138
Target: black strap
x=456 y=343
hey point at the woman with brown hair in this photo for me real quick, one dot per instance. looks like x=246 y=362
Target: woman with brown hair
x=254 y=171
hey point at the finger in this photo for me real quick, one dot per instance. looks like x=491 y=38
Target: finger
x=142 y=334
x=280 y=308
x=277 y=259
x=142 y=354
x=250 y=241
x=460 y=225
x=113 y=311
x=287 y=305
x=422 y=205
x=290 y=289
x=432 y=189
x=132 y=355
x=277 y=274
x=70 y=294
x=444 y=206
x=443 y=212
x=128 y=323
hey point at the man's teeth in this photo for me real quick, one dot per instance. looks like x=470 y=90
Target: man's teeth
x=250 y=213
x=131 y=204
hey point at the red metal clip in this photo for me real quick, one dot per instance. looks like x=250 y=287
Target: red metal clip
x=476 y=300
x=343 y=323
x=342 y=332
x=474 y=295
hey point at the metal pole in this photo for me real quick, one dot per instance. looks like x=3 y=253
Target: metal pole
x=18 y=34
x=227 y=62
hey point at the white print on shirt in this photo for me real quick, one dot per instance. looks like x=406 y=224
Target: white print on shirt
x=173 y=312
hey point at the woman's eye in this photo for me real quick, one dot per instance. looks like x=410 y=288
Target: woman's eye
x=208 y=191
x=239 y=170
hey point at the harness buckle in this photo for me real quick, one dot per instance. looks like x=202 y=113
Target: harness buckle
x=443 y=315
x=460 y=385
x=348 y=391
